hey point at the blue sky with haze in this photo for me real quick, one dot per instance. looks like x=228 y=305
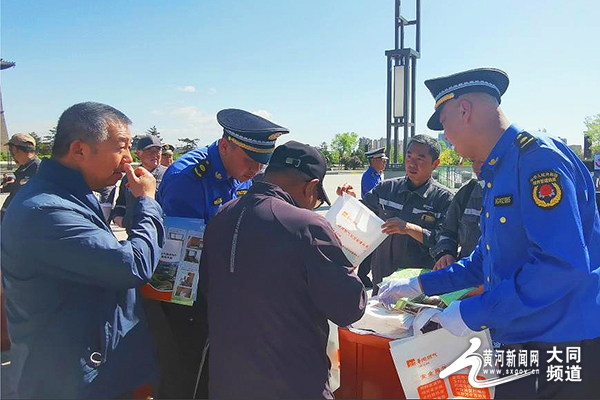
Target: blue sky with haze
x=314 y=66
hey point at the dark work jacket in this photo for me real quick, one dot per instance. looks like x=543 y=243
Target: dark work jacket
x=461 y=226
x=424 y=206
x=22 y=176
x=274 y=274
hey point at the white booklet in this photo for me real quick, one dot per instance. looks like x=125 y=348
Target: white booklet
x=357 y=227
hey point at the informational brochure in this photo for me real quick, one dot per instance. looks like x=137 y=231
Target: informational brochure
x=175 y=279
x=357 y=227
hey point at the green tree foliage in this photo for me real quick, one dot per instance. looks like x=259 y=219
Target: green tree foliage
x=153 y=131
x=449 y=157
x=360 y=154
x=344 y=143
x=188 y=144
x=400 y=156
x=326 y=153
x=43 y=145
x=592 y=132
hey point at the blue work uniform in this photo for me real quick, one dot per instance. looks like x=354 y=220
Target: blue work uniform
x=75 y=319
x=370 y=179
x=539 y=252
x=196 y=185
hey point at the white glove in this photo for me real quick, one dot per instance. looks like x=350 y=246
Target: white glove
x=451 y=320
x=393 y=290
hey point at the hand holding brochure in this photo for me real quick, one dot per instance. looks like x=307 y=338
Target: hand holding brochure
x=357 y=227
x=175 y=279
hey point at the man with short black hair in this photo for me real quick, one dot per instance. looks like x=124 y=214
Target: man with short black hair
x=274 y=272
x=22 y=148
x=77 y=327
x=413 y=208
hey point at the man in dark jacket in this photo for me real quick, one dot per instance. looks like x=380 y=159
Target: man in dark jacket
x=274 y=272
x=413 y=208
x=22 y=148
x=460 y=232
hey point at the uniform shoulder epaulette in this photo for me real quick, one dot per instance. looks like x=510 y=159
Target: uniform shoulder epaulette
x=201 y=168
x=524 y=139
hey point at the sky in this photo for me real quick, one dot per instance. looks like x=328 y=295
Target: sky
x=317 y=67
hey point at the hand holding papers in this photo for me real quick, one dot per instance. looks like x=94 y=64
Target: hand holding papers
x=175 y=279
x=357 y=227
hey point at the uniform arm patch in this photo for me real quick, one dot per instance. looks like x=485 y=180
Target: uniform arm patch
x=546 y=189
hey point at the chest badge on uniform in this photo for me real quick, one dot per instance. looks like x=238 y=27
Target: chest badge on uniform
x=241 y=192
x=546 y=189
x=217 y=201
x=218 y=175
x=503 y=200
x=23 y=181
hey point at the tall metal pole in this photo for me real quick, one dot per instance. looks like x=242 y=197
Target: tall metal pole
x=406 y=57
x=388 y=136
x=413 y=96
x=418 y=27
x=396 y=25
x=405 y=111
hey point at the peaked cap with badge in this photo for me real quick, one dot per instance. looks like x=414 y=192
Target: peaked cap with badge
x=377 y=153
x=167 y=149
x=255 y=135
x=482 y=80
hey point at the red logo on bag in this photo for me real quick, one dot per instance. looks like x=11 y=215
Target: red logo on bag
x=410 y=363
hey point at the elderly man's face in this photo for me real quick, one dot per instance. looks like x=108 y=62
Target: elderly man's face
x=104 y=165
x=150 y=158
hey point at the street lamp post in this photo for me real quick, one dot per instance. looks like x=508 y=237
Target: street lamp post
x=402 y=62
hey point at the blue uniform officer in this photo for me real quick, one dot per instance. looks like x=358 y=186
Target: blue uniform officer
x=196 y=186
x=202 y=180
x=372 y=176
x=539 y=253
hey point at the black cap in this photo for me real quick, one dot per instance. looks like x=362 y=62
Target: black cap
x=254 y=134
x=167 y=149
x=304 y=158
x=487 y=80
x=145 y=142
x=377 y=153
